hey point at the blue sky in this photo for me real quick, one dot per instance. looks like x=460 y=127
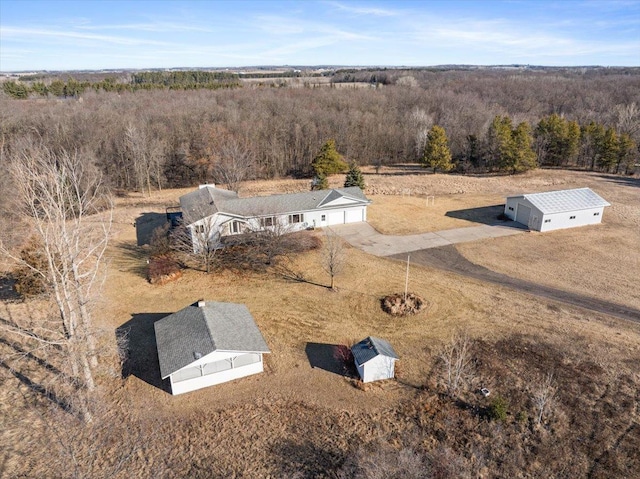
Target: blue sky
x=95 y=34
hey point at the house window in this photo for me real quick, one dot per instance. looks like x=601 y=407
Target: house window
x=323 y=218
x=572 y=217
x=268 y=221
x=236 y=227
x=547 y=221
x=299 y=218
x=510 y=208
x=199 y=228
x=596 y=214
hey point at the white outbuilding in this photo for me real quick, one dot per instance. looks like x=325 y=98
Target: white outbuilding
x=555 y=210
x=208 y=343
x=375 y=359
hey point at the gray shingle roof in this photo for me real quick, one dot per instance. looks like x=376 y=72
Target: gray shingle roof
x=371 y=347
x=203 y=330
x=203 y=205
x=204 y=202
x=566 y=200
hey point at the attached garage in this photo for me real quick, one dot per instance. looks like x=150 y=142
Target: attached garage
x=554 y=210
x=335 y=217
x=354 y=215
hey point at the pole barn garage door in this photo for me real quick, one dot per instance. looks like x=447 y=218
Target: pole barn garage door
x=523 y=214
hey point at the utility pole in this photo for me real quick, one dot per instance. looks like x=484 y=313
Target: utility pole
x=406 y=281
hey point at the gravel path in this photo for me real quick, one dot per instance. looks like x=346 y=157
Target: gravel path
x=449 y=259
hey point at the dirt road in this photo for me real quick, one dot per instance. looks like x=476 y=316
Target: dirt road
x=449 y=259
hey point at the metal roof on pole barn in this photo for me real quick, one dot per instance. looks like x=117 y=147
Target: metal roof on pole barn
x=565 y=200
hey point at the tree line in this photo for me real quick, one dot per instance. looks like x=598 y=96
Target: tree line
x=493 y=122
x=178 y=80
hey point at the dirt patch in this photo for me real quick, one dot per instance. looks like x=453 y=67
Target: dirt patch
x=400 y=304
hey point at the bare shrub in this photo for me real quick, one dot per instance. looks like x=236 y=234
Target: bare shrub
x=542 y=395
x=384 y=462
x=400 y=304
x=29 y=281
x=456 y=362
x=445 y=463
x=163 y=269
x=160 y=243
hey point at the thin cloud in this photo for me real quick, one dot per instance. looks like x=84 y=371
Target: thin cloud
x=374 y=11
x=28 y=34
x=148 y=27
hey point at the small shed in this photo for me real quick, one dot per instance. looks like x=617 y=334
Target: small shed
x=208 y=343
x=375 y=359
x=556 y=209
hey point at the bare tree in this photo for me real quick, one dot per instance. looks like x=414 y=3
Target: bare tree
x=146 y=152
x=456 y=361
x=197 y=239
x=71 y=216
x=333 y=255
x=542 y=395
x=234 y=165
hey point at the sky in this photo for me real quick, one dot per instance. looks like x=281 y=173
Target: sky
x=102 y=34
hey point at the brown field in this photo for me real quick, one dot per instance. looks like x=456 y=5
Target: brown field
x=297 y=420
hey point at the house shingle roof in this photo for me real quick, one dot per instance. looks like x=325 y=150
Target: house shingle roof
x=563 y=201
x=371 y=347
x=198 y=206
x=204 y=202
x=195 y=330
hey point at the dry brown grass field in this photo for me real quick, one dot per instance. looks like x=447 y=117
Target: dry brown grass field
x=297 y=421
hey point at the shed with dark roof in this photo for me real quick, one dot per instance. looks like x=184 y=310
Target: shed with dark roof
x=208 y=343
x=375 y=359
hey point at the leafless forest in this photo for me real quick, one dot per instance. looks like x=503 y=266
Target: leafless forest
x=169 y=138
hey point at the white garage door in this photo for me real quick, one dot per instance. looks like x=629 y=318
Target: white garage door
x=522 y=216
x=353 y=216
x=335 y=218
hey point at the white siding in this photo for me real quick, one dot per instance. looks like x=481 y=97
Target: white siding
x=215 y=368
x=380 y=367
x=510 y=207
x=564 y=220
x=551 y=221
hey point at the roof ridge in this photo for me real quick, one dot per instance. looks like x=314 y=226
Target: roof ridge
x=206 y=323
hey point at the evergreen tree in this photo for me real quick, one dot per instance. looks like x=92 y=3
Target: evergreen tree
x=510 y=149
x=354 y=177
x=557 y=140
x=320 y=182
x=436 y=151
x=607 y=150
x=627 y=153
x=328 y=161
x=500 y=144
x=523 y=156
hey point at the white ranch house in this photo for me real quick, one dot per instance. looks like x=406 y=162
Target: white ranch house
x=375 y=359
x=219 y=213
x=556 y=209
x=208 y=343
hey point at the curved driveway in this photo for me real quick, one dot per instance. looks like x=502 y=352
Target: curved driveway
x=438 y=250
